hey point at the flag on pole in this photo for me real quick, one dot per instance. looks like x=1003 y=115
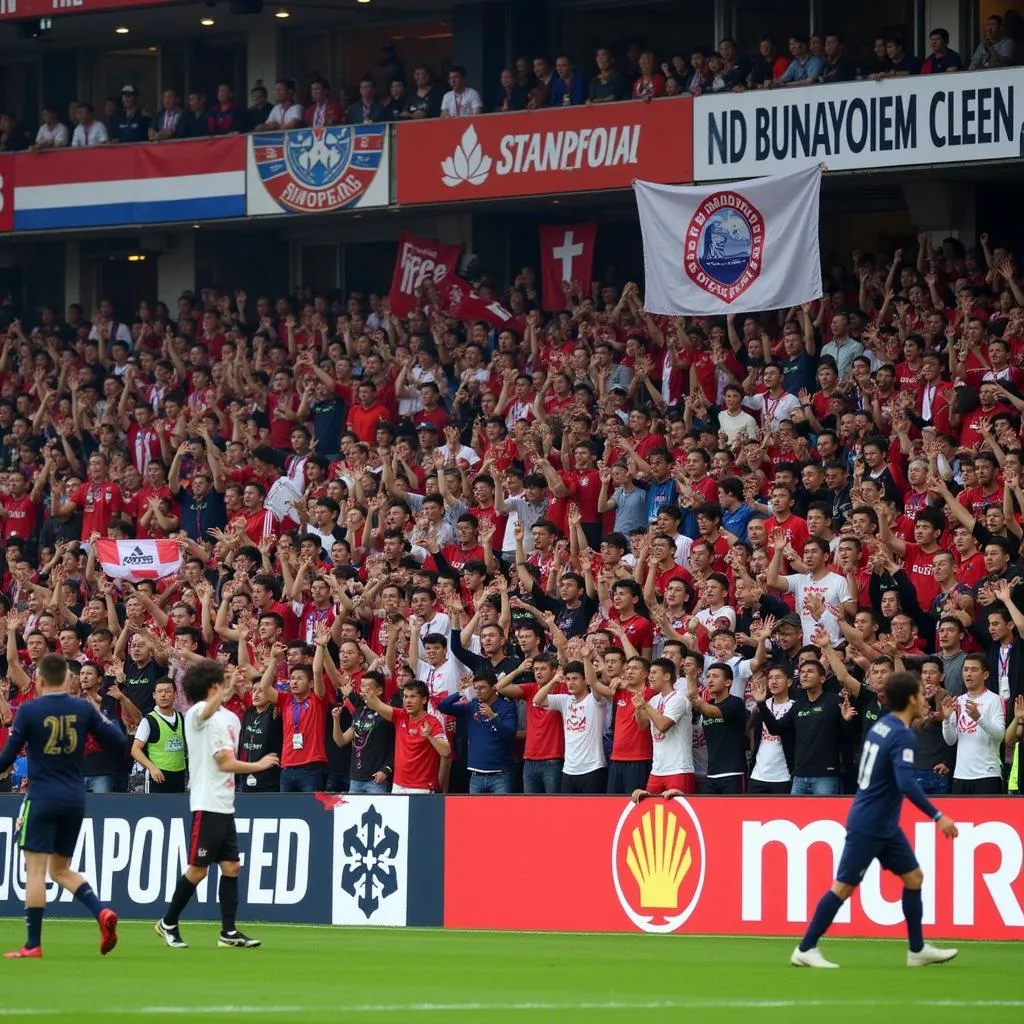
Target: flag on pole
x=461 y=300
x=734 y=248
x=137 y=560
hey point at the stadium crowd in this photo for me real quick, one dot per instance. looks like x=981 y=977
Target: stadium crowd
x=591 y=551
x=388 y=94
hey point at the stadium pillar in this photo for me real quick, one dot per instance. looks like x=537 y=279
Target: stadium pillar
x=73 y=283
x=951 y=15
x=262 y=53
x=942 y=208
x=176 y=268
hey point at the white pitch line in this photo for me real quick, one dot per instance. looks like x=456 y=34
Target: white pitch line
x=547 y=1007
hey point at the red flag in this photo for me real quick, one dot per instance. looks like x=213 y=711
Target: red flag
x=461 y=300
x=418 y=261
x=566 y=254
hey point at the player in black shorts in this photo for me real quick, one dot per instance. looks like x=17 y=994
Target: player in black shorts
x=54 y=728
x=873 y=831
x=211 y=735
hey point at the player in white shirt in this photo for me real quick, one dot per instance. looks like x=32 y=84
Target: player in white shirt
x=211 y=735
x=771 y=769
x=974 y=723
x=669 y=713
x=822 y=597
x=584 y=715
x=462 y=101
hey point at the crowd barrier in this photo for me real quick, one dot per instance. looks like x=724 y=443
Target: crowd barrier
x=715 y=866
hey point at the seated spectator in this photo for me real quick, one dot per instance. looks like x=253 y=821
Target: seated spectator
x=13 y=137
x=168 y=123
x=699 y=78
x=942 y=58
x=227 y=117
x=52 y=134
x=286 y=113
x=769 y=66
x=804 y=68
x=367 y=109
x=111 y=115
x=608 y=85
x=540 y=85
x=259 y=106
x=651 y=83
x=837 y=66
x=89 y=131
x=513 y=96
x=398 y=98
x=996 y=49
x=901 y=63
x=879 y=61
x=462 y=101
x=132 y=125
x=734 y=70
x=424 y=100
x=672 y=86
x=323 y=111
x=567 y=89
x=196 y=121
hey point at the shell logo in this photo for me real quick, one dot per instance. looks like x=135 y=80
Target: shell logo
x=658 y=863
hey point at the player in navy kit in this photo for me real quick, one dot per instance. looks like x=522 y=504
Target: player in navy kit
x=54 y=728
x=873 y=831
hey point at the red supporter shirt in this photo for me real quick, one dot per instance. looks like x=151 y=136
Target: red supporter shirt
x=363 y=422
x=19 y=517
x=976 y=500
x=281 y=427
x=305 y=725
x=586 y=486
x=545 y=737
x=416 y=760
x=639 y=631
x=917 y=564
x=632 y=741
x=99 y=504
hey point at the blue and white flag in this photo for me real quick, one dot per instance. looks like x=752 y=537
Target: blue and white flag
x=731 y=248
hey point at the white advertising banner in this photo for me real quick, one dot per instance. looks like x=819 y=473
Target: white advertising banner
x=856 y=126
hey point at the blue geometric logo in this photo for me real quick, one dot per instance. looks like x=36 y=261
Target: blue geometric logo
x=371 y=850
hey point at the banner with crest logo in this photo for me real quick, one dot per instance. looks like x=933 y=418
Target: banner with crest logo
x=732 y=248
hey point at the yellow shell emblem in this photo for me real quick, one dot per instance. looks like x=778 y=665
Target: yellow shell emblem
x=659 y=858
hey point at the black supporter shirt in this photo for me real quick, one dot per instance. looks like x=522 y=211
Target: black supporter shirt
x=727 y=738
x=139 y=683
x=262 y=734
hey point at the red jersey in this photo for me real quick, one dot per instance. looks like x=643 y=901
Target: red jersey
x=144 y=444
x=976 y=500
x=99 y=504
x=260 y=524
x=305 y=726
x=19 y=517
x=917 y=564
x=416 y=760
x=632 y=741
x=457 y=558
x=796 y=533
x=281 y=426
x=971 y=571
x=312 y=617
x=586 y=486
x=639 y=631
x=545 y=737
x=291 y=623
x=363 y=422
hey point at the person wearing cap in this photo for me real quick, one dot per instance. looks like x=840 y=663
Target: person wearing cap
x=132 y=124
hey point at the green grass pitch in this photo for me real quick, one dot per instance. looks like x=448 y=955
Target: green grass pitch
x=304 y=974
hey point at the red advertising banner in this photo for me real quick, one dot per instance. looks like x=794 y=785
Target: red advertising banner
x=14 y=9
x=542 y=152
x=720 y=866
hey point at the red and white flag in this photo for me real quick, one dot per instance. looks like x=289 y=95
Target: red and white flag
x=461 y=300
x=137 y=560
x=418 y=262
x=566 y=254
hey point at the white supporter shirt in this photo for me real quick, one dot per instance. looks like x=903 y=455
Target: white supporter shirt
x=741 y=672
x=442 y=680
x=463 y=104
x=832 y=589
x=440 y=623
x=521 y=511
x=210 y=789
x=773 y=410
x=719 y=618
x=673 y=750
x=94 y=135
x=733 y=426
x=977 y=742
x=57 y=135
x=770 y=764
x=285 y=112
x=583 y=722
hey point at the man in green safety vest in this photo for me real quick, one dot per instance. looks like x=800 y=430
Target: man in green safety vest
x=159 y=744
